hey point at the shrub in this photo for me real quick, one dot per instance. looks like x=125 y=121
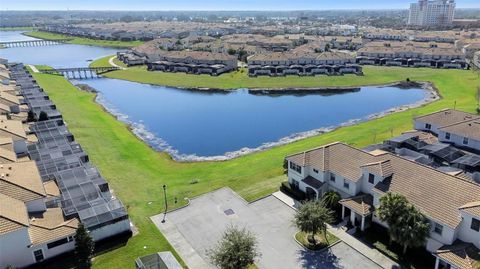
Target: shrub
x=294 y=193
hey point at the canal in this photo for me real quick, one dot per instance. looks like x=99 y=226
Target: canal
x=193 y=125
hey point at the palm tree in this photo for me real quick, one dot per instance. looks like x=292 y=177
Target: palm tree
x=313 y=217
x=331 y=198
x=392 y=209
x=412 y=229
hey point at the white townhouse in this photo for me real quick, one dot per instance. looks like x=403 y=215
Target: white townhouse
x=459 y=128
x=451 y=204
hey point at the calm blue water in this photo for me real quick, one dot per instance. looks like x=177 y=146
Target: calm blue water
x=9 y=36
x=211 y=124
x=56 y=56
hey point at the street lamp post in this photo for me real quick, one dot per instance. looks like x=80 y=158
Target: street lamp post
x=166 y=205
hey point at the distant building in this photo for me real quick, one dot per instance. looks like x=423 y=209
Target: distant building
x=431 y=13
x=476 y=59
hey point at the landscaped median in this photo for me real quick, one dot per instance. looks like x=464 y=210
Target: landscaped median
x=84 y=41
x=321 y=241
x=136 y=172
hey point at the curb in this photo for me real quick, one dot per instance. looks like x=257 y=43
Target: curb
x=320 y=250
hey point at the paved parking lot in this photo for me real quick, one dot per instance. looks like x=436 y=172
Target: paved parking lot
x=196 y=228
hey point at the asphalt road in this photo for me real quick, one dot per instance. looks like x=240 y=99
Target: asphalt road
x=195 y=229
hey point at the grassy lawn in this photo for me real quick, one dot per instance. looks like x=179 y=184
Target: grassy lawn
x=20 y=28
x=320 y=240
x=377 y=237
x=84 y=41
x=104 y=61
x=136 y=172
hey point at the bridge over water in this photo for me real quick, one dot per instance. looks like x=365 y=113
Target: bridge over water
x=33 y=43
x=80 y=72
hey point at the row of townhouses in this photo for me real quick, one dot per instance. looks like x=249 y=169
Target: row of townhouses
x=450 y=201
x=411 y=54
x=303 y=64
x=47 y=184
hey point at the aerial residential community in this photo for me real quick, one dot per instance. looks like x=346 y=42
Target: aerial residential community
x=255 y=134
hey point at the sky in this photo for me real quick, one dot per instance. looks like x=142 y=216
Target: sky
x=213 y=4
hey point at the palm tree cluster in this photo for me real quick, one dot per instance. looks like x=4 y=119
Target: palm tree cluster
x=407 y=225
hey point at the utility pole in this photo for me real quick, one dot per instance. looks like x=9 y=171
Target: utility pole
x=166 y=205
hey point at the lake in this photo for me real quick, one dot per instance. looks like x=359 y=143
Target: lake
x=189 y=124
x=192 y=125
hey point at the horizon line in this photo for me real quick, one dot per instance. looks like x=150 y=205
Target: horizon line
x=223 y=10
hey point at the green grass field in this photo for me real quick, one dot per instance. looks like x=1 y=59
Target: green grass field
x=84 y=41
x=21 y=28
x=136 y=172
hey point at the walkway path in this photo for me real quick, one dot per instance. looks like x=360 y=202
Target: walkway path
x=371 y=253
x=110 y=61
x=34 y=69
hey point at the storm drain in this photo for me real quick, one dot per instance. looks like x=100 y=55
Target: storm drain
x=229 y=212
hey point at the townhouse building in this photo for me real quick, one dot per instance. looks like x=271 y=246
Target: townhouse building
x=412 y=54
x=47 y=185
x=459 y=128
x=450 y=203
x=302 y=64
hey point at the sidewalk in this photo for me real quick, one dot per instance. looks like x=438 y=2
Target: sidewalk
x=367 y=251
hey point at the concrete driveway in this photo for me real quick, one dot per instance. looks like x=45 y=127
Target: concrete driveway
x=196 y=228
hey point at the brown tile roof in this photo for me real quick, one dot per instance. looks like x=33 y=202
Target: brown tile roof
x=446 y=117
x=470 y=129
x=381 y=168
x=21 y=181
x=12 y=127
x=51 y=188
x=436 y=194
x=472 y=208
x=462 y=255
x=51 y=226
x=13 y=214
x=332 y=158
x=361 y=204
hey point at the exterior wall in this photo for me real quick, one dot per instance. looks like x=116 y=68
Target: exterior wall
x=36 y=205
x=446 y=238
x=365 y=186
x=458 y=140
x=420 y=125
x=52 y=252
x=14 y=249
x=110 y=230
x=465 y=233
x=353 y=189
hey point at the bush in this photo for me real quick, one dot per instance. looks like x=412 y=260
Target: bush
x=294 y=193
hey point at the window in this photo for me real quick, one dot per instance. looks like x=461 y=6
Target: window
x=428 y=126
x=60 y=242
x=295 y=167
x=438 y=228
x=475 y=225
x=371 y=178
x=346 y=185
x=465 y=140
x=332 y=177
x=447 y=136
x=38 y=255
x=315 y=170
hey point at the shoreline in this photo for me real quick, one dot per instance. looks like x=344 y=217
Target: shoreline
x=158 y=144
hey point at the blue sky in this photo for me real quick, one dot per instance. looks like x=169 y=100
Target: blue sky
x=213 y=4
